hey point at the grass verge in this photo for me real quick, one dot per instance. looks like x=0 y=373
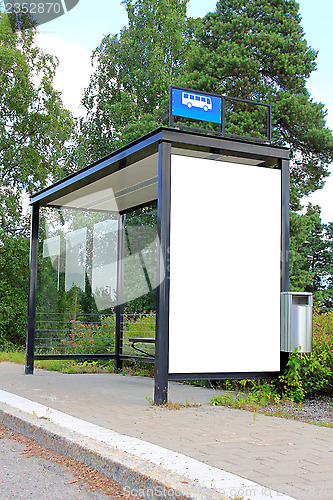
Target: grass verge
x=13 y=356
x=70 y=366
x=73 y=366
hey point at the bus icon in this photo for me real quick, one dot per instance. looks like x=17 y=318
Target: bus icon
x=197 y=101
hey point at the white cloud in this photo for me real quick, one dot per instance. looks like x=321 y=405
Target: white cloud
x=73 y=72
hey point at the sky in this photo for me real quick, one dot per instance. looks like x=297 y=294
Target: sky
x=73 y=37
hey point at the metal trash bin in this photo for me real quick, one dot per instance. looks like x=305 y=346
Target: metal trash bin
x=296 y=321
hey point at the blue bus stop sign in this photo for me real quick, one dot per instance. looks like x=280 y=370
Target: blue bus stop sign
x=196 y=105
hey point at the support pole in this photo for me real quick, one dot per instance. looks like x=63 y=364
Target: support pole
x=118 y=364
x=163 y=275
x=33 y=262
x=285 y=226
x=285 y=252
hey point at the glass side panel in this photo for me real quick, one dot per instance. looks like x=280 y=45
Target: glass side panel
x=77 y=282
x=140 y=281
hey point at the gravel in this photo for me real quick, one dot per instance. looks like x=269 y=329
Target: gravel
x=317 y=410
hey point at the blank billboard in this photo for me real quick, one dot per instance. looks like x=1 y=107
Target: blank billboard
x=225 y=240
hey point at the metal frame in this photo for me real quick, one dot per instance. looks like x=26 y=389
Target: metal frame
x=268 y=125
x=283 y=165
x=147 y=145
x=165 y=141
x=222 y=131
x=285 y=188
x=120 y=294
x=162 y=302
x=223 y=375
x=32 y=301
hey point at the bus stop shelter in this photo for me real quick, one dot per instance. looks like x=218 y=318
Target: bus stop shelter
x=218 y=259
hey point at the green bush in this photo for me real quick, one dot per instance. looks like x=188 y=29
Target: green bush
x=14 y=277
x=310 y=374
x=91 y=338
x=99 y=337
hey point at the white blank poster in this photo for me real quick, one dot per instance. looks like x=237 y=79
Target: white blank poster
x=224 y=267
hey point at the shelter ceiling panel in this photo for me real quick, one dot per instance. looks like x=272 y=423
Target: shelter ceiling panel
x=129 y=187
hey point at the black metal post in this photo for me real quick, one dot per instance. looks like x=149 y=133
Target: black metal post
x=171 y=118
x=163 y=275
x=118 y=364
x=33 y=262
x=269 y=123
x=285 y=186
x=222 y=128
x=285 y=253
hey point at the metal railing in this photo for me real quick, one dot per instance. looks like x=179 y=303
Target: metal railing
x=93 y=336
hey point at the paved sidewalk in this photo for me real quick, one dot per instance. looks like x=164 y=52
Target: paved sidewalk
x=287 y=456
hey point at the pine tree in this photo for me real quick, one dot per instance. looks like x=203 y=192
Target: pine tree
x=250 y=49
x=256 y=50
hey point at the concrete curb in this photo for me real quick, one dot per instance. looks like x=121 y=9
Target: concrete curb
x=163 y=475
x=132 y=473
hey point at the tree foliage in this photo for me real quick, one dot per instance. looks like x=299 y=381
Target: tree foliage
x=128 y=92
x=14 y=274
x=256 y=50
x=251 y=49
x=317 y=258
x=34 y=126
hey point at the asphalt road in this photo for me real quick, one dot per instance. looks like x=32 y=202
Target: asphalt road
x=24 y=476
x=30 y=471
